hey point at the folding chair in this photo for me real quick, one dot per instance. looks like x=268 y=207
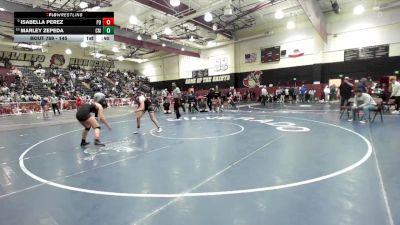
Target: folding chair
x=379 y=109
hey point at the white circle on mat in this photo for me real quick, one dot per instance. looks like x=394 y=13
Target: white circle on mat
x=240 y=130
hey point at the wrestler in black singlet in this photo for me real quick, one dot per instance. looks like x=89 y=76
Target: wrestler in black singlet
x=84 y=111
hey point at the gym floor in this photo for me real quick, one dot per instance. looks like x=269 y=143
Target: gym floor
x=278 y=164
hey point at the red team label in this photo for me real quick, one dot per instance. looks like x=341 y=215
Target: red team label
x=108 y=21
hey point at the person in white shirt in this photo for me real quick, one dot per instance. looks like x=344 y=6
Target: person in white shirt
x=312 y=95
x=327 y=92
x=395 y=94
x=264 y=95
x=176 y=94
x=364 y=102
x=164 y=94
x=286 y=94
x=54 y=104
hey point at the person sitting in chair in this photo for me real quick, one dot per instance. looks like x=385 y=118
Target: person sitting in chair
x=364 y=102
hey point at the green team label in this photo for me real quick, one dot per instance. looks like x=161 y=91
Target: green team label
x=108 y=30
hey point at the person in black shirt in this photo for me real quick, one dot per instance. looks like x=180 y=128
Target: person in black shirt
x=210 y=96
x=217 y=99
x=192 y=102
x=345 y=90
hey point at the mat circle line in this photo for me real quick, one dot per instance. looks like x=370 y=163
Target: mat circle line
x=201 y=138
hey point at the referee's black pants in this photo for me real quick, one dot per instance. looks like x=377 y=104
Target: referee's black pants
x=177 y=103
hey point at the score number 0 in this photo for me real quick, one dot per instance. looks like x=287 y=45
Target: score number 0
x=108 y=21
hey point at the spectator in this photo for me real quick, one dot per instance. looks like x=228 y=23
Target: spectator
x=210 y=96
x=312 y=92
x=327 y=93
x=54 y=104
x=345 y=91
x=395 y=94
x=264 y=95
x=362 y=85
x=364 y=102
x=303 y=91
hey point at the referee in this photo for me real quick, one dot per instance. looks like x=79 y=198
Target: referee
x=176 y=94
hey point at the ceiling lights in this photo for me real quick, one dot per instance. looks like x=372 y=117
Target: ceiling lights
x=154 y=37
x=228 y=11
x=83 y=5
x=182 y=49
x=191 y=39
x=139 y=37
x=115 y=49
x=168 y=31
x=95 y=8
x=84 y=44
x=211 y=43
x=137 y=60
x=215 y=27
x=358 y=10
x=68 y=51
x=133 y=20
x=208 y=17
x=290 y=25
x=279 y=14
x=2 y=9
x=33 y=47
x=163 y=44
x=175 y=3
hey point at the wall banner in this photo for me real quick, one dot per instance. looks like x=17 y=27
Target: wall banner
x=88 y=62
x=212 y=79
x=18 y=56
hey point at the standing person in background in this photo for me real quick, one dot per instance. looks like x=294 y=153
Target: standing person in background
x=61 y=103
x=286 y=94
x=54 y=104
x=192 y=102
x=79 y=101
x=278 y=94
x=395 y=94
x=333 y=92
x=164 y=94
x=311 y=92
x=362 y=85
x=217 y=99
x=303 y=91
x=253 y=96
x=327 y=93
x=264 y=95
x=45 y=107
x=183 y=102
x=345 y=90
x=177 y=95
x=210 y=96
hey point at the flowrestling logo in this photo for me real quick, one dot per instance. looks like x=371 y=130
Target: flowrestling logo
x=281 y=126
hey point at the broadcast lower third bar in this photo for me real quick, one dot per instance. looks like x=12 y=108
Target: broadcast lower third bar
x=62 y=38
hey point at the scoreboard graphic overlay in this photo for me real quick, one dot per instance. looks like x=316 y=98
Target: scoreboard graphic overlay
x=63 y=26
